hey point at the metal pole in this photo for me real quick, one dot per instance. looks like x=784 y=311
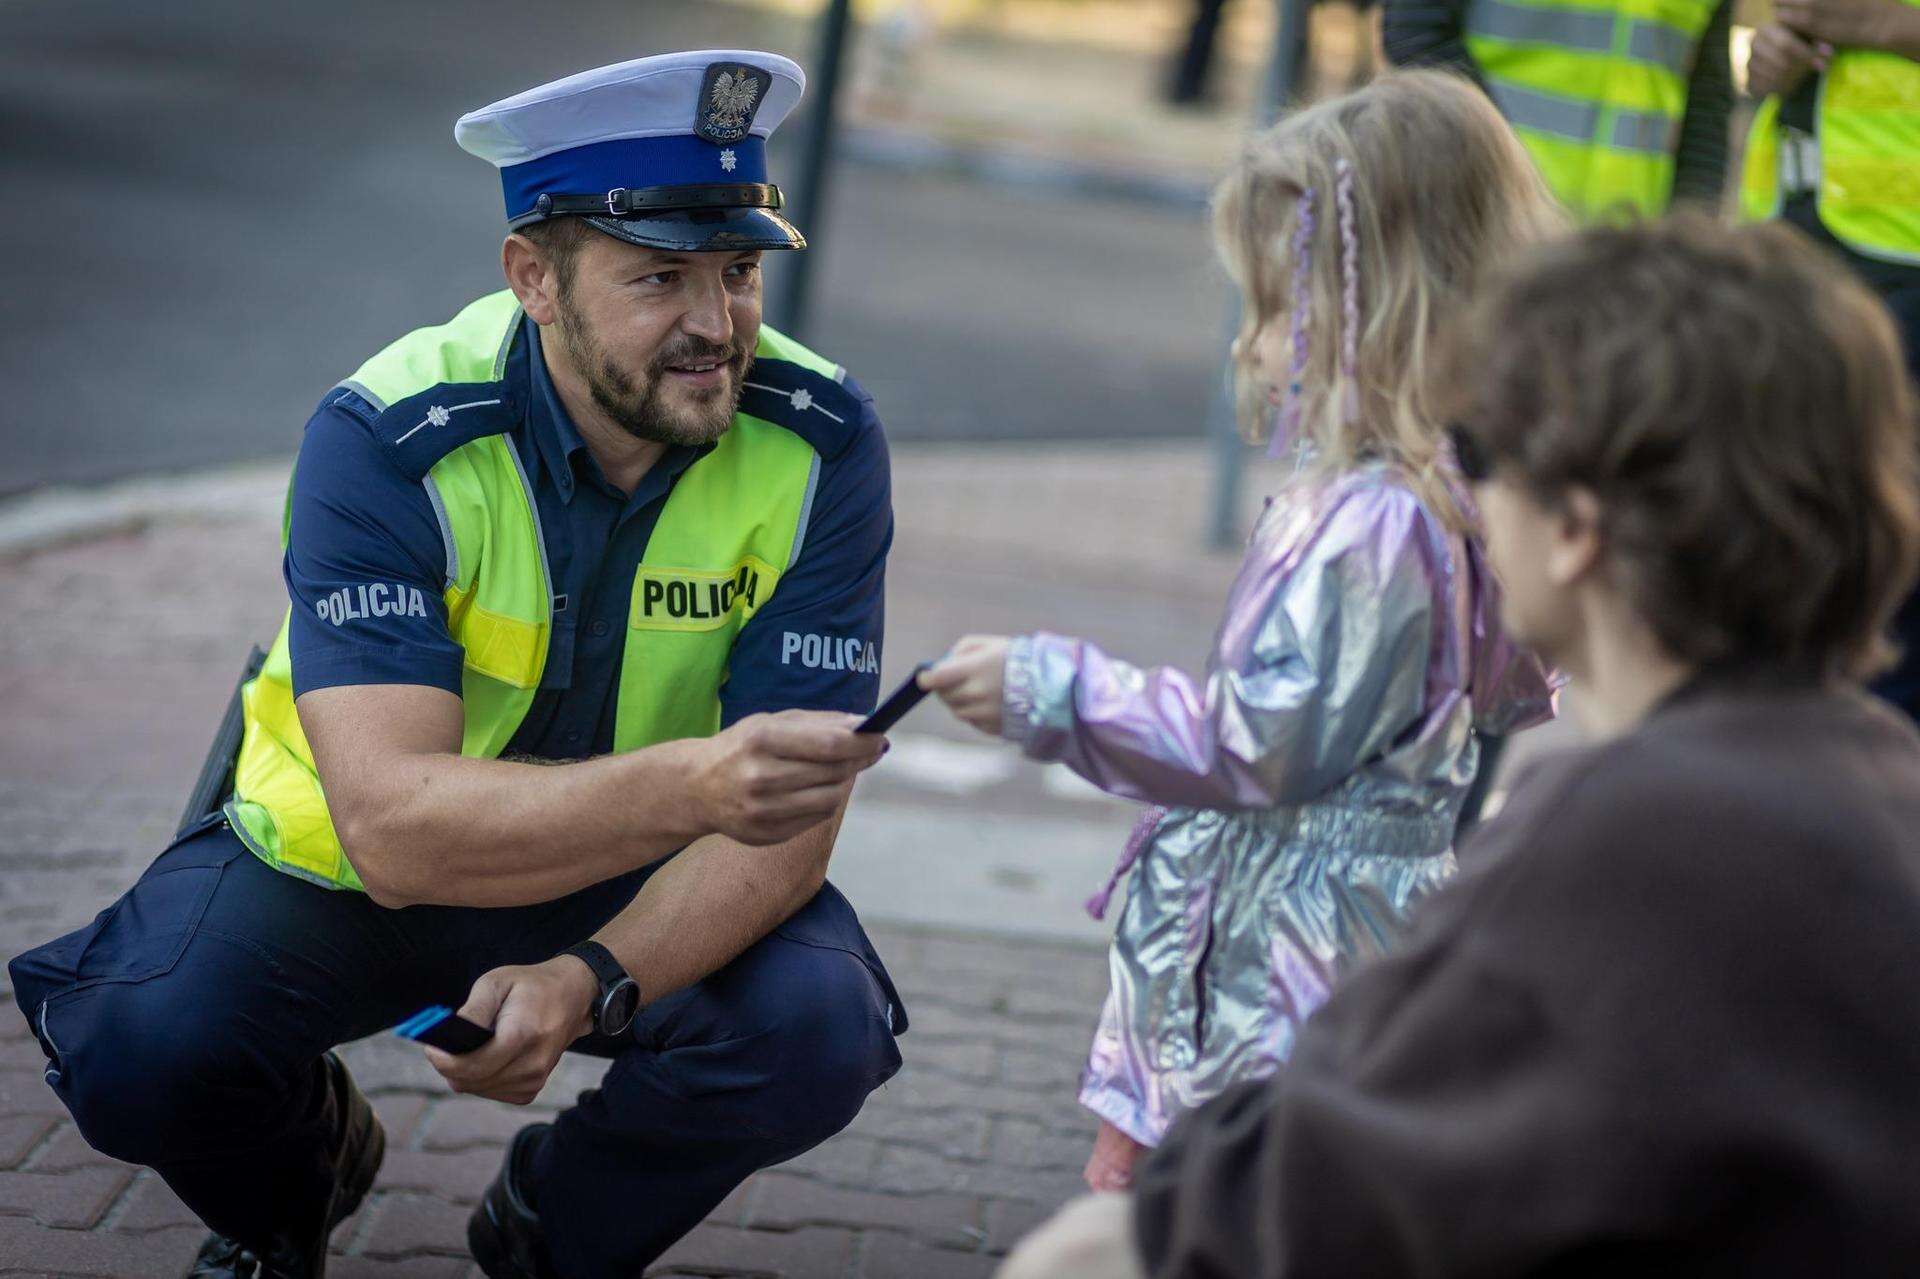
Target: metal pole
x=1277 y=89
x=810 y=202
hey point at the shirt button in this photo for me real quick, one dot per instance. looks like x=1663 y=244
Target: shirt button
x=597 y=630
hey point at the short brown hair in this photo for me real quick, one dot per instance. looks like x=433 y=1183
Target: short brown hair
x=560 y=240
x=1738 y=404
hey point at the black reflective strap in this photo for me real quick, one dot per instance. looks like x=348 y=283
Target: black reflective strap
x=629 y=201
x=606 y=969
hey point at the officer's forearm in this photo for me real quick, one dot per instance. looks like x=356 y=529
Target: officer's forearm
x=452 y=831
x=713 y=901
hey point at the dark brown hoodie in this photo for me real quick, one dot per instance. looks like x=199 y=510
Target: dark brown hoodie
x=1668 y=1017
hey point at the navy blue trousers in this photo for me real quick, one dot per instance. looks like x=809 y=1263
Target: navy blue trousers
x=184 y=1028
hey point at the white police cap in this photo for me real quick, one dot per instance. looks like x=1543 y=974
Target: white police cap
x=667 y=152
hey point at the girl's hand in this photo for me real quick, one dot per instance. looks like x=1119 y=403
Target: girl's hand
x=1110 y=1166
x=1781 y=60
x=970 y=679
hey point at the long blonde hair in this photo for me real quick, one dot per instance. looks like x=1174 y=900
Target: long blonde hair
x=1363 y=223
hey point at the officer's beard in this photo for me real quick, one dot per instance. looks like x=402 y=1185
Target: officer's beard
x=641 y=410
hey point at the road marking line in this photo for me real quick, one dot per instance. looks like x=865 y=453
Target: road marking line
x=952 y=768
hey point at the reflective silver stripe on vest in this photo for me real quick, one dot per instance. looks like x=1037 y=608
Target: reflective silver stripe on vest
x=1644 y=131
x=806 y=512
x=1664 y=46
x=1568 y=28
x=506 y=345
x=539 y=534
x=1544 y=113
x=379 y=405
x=1582 y=30
x=446 y=529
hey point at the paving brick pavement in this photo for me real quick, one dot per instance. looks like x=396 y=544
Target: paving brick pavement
x=969 y=1146
x=974 y=1141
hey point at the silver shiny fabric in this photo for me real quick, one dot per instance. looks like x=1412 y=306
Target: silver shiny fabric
x=1307 y=787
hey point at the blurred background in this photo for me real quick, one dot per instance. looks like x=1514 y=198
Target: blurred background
x=216 y=207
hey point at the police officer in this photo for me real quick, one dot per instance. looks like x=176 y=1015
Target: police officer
x=586 y=575
x=1835 y=146
x=1835 y=150
x=1623 y=105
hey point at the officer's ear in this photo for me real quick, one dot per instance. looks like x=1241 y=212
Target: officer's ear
x=535 y=274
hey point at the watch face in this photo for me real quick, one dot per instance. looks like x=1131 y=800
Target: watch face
x=618 y=1006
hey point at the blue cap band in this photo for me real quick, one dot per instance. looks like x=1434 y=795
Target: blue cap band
x=668 y=161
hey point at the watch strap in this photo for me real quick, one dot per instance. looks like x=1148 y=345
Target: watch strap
x=606 y=969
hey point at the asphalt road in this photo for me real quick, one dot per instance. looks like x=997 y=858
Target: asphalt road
x=211 y=212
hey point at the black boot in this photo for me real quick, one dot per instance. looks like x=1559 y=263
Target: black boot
x=504 y=1232
x=360 y=1143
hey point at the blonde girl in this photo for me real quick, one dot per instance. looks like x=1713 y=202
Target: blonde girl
x=1305 y=789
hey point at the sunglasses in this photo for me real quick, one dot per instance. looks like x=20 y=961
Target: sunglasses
x=1468 y=455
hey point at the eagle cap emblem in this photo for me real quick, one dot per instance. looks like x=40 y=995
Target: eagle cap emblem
x=730 y=94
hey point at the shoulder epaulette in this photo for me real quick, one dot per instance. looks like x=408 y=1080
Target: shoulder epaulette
x=819 y=409
x=420 y=430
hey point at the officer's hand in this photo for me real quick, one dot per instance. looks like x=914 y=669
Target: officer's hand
x=535 y=1013
x=771 y=777
x=970 y=680
x=1866 y=24
x=1781 y=60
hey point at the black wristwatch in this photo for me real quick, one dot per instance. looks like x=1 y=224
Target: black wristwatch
x=619 y=998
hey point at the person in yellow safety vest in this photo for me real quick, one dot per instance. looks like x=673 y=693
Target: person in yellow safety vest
x=563 y=570
x=1835 y=150
x=1835 y=146
x=1623 y=104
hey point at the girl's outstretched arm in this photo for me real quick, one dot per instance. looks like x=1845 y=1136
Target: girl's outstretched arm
x=1329 y=653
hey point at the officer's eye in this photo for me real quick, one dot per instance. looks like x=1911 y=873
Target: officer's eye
x=743 y=270
x=660 y=279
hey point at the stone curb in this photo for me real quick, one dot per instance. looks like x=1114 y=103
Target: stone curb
x=51 y=517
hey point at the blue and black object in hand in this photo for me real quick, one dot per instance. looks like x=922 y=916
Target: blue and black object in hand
x=898 y=703
x=441 y=1027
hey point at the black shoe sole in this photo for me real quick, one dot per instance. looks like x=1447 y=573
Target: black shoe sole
x=491 y=1239
x=366 y=1166
x=488 y=1248
x=360 y=1165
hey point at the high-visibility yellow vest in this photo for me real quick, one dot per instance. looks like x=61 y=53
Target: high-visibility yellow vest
x=449 y=398
x=1595 y=92
x=1867 y=122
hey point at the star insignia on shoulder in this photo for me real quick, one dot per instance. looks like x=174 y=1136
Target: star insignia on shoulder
x=802 y=399
x=438 y=416
x=728 y=160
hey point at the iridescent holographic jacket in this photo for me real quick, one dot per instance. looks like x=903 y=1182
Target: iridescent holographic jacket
x=1306 y=789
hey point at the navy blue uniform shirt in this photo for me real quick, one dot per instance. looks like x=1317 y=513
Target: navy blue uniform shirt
x=356 y=520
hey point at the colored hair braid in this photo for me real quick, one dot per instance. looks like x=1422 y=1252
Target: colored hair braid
x=1350 y=280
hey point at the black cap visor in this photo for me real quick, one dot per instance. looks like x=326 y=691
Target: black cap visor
x=705 y=230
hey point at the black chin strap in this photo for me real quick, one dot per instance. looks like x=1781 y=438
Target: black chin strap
x=643 y=201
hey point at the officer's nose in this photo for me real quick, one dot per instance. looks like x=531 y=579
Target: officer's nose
x=708 y=316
